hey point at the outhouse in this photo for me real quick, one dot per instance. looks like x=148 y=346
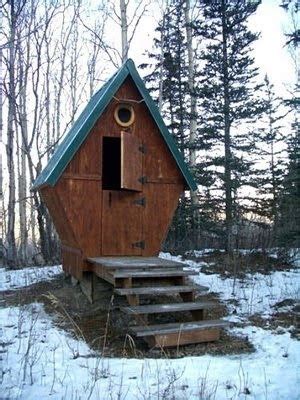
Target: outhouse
x=112 y=187
x=113 y=184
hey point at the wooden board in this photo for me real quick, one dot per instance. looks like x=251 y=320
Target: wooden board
x=155 y=290
x=121 y=223
x=121 y=263
x=166 y=308
x=157 y=273
x=131 y=162
x=175 y=327
x=181 y=338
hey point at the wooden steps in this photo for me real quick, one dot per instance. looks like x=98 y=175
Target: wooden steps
x=155 y=290
x=174 y=334
x=157 y=273
x=152 y=276
x=165 y=308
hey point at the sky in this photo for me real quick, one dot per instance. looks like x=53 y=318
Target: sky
x=270 y=52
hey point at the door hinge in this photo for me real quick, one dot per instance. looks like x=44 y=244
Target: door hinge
x=143 y=180
x=140 y=202
x=143 y=148
x=139 y=245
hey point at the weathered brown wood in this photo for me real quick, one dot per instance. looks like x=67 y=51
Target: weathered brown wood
x=59 y=217
x=131 y=162
x=121 y=263
x=188 y=297
x=87 y=285
x=166 y=308
x=121 y=224
x=73 y=262
x=81 y=202
x=175 y=327
x=162 y=200
x=183 y=338
x=155 y=290
x=157 y=273
x=103 y=273
x=88 y=177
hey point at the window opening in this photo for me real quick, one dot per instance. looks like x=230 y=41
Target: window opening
x=111 y=163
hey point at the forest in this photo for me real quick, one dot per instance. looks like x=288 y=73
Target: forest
x=238 y=135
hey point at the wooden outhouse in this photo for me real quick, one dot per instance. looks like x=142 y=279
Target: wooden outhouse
x=113 y=184
x=112 y=187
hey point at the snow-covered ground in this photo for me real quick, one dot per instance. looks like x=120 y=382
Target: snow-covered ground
x=15 y=279
x=39 y=361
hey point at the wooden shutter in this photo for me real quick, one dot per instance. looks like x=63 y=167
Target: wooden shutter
x=131 y=162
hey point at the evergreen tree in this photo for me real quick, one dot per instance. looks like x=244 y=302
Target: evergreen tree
x=289 y=210
x=168 y=80
x=229 y=105
x=271 y=157
x=289 y=218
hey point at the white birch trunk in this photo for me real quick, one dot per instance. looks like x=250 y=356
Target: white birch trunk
x=124 y=30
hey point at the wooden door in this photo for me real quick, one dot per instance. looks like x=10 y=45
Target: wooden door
x=122 y=223
x=131 y=162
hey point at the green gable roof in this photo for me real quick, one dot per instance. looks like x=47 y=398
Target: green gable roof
x=66 y=150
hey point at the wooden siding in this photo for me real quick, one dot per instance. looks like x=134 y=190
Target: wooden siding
x=59 y=217
x=158 y=213
x=81 y=200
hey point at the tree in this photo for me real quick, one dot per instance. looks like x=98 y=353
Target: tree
x=289 y=209
x=227 y=89
x=270 y=150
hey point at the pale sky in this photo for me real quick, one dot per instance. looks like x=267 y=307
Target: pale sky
x=269 y=51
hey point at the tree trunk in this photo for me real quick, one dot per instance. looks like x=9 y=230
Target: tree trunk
x=227 y=137
x=22 y=150
x=124 y=30
x=193 y=114
x=11 y=256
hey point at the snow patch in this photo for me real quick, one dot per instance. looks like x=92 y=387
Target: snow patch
x=15 y=279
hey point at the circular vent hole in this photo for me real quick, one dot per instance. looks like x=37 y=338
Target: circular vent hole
x=124 y=115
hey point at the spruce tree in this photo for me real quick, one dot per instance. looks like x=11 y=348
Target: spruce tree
x=228 y=103
x=271 y=156
x=168 y=80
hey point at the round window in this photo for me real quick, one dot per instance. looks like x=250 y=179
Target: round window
x=124 y=115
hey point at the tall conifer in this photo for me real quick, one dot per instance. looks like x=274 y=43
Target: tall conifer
x=227 y=88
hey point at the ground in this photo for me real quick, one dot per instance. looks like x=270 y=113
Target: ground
x=54 y=344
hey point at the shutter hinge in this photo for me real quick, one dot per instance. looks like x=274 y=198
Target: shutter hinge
x=140 y=202
x=143 y=180
x=140 y=245
x=143 y=149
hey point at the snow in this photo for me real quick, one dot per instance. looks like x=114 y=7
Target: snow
x=40 y=361
x=256 y=293
x=14 y=279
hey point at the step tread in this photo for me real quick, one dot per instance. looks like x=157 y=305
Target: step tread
x=120 y=263
x=164 y=329
x=153 y=290
x=153 y=273
x=172 y=307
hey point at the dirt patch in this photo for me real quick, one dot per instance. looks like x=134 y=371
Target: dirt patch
x=104 y=327
x=286 y=316
x=239 y=265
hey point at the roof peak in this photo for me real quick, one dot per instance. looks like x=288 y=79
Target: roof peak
x=66 y=150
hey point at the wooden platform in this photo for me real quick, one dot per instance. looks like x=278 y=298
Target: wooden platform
x=148 y=277
x=135 y=262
